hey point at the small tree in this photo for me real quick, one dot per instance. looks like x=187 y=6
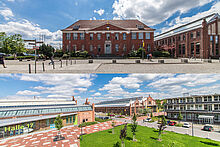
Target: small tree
x=161 y=127
x=180 y=117
x=113 y=125
x=47 y=51
x=151 y=114
x=134 y=126
x=58 y=124
x=123 y=135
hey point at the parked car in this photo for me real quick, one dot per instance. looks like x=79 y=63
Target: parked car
x=186 y=125
x=172 y=123
x=147 y=120
x=208 y=128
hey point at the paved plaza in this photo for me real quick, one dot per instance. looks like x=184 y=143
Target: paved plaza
x=45 y=138
x=106 y=66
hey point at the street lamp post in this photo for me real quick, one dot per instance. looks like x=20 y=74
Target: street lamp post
x=143 y=50
x=192 y=125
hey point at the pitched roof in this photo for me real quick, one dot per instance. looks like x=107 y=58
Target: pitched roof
x=91 y=24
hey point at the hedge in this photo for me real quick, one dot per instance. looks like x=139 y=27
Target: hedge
x=87 y=124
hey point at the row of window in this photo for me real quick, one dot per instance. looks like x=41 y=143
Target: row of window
x=181 y=37
x=199 y=99
x=70 y=119
x=92 y=47
x=42 y=111
x=108 y=36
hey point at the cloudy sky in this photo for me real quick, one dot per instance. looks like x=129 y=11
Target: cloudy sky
x=32 y=18
x=99 y=87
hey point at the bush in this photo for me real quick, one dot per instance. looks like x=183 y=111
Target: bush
x=139 y=52
x=132 y=53
x=83 y=54
x=87 y=124
x=102 y=120
x=19 y=57
x=161 y=54
x=179 y=125
x=58 y=53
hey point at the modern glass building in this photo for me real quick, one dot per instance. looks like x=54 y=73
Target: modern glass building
x=19 y=117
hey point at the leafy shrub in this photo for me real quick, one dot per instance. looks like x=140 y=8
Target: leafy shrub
x=102 y=120
x=161 y=54
x=140 y=51
x=58 y=53
x=179 y=125
x=133 y=53
x=87 y=124
x=19 y=57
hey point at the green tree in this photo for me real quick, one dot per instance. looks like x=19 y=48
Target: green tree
x=123 y=135
x=180 y=117
x=58 y=124
x=161 y=127
x=47 y=51
x=147 y=111
x=113 y=125
x=134 y=126
x=141 y=52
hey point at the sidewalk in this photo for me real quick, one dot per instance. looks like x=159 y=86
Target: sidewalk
x=45 y=138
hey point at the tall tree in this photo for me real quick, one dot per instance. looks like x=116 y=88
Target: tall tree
x=47 y=51
x=180 y=117
x=58 y=124
x=134 y=126
x=113 y=125
x=123 y=135
x=161 y=127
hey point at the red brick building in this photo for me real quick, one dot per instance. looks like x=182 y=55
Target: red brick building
x=199 y=38
x=127 y=106
x=108 y=37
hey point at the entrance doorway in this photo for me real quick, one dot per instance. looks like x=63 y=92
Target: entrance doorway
x=108 y=49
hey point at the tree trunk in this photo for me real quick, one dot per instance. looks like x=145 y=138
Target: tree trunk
x=134 y=139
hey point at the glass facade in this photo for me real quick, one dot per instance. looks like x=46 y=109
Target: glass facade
x=14 y=113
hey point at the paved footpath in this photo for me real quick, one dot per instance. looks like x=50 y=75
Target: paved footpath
x=45 y=138
x=106 y=66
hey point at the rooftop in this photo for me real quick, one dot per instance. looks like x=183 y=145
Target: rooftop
x=91 y=24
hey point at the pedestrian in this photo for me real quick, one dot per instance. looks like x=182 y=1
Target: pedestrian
x=150 y=56
x=2 y=60
x=147 y=56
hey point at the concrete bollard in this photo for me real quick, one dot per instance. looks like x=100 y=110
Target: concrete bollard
x=66 y=62
x=184 y=60
x=71 y=62
x=161 y=61
x=114 y=61
x=137 y=61
x=61 y=64
x=43 y=67
x=90 y=61
x=53 y=65
x=29 y=68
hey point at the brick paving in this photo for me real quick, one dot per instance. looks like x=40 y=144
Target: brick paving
x=70 y=133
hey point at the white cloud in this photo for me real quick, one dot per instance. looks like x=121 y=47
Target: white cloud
x=30 y=30
x=153 y=11
x=97 y=94
x=57 y=85
x=181 y=21
x=6 y=13
x=27 y=92
x=100 y=11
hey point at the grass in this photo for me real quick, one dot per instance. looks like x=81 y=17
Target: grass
x=147 y=137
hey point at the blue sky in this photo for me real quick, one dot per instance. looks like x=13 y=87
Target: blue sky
x=100 y=87
x=32 y=18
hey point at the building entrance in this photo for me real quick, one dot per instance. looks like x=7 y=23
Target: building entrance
x=108 y=49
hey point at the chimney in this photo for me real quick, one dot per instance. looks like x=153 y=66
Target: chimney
x=87 y=101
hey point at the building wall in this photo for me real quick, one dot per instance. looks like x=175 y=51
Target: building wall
x=129 y=42
x=174 y=44
x=193 y=107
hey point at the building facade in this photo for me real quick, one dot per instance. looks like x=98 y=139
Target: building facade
x=198 y=39
x=127 y=106
x=25 y=116
x=201 y=109
x=108 y=37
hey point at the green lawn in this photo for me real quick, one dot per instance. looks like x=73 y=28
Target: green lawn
x=146 y=137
